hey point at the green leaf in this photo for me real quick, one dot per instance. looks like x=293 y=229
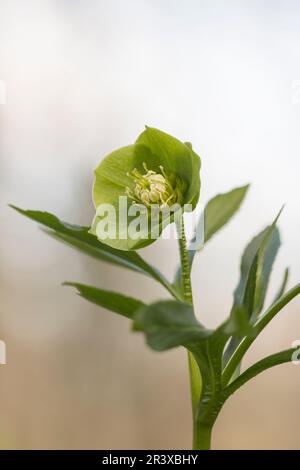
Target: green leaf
x=256 y=267
x=208 y=354
x=210 y=361
x=282 y=288
x=168 y=324
x=195 y=381
x=218 y=211
x=79 y=237
x=238 y=323
x=260 y=366
x=258 y=327
x=266 y=257
x=118 y=303
x=212 y=407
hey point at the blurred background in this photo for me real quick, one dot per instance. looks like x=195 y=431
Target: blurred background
x=82 y=78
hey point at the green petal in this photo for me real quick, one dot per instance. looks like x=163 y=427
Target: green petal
x=110 y=183
x=153 y=148
x=111 y=177
x=175 y=156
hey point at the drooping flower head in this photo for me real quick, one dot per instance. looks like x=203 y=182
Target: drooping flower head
x=157 y=171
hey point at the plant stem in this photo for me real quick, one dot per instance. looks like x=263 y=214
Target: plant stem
x=201 y=434
x=185 y=263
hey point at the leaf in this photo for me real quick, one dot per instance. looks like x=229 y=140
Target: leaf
x=210 y=361
x=238 y=323
x=214 y=405
x=260 y=366
x=168 y=324
x=282 y=288
x=209 y=357
x=195 y=381
x=256 y=267
x=80 y=238
x=218 y=211
x=118 y=303
x=258 y=327
x=266 y=257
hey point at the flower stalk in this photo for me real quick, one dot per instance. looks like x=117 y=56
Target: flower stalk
x=201 y=432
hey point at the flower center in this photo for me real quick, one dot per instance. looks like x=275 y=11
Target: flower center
x=163 y=189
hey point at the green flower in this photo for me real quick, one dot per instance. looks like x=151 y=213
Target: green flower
x=164 y=189
x=157 y=172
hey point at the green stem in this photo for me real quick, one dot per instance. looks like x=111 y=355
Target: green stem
x=185 y=263
x=201 y=434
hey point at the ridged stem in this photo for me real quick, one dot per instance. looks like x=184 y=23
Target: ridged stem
x=201 y=435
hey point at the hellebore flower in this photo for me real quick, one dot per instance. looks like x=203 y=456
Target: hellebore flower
x=157 y=172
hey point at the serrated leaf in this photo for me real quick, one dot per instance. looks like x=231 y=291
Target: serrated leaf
x=118 y=303
x=79 y=237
